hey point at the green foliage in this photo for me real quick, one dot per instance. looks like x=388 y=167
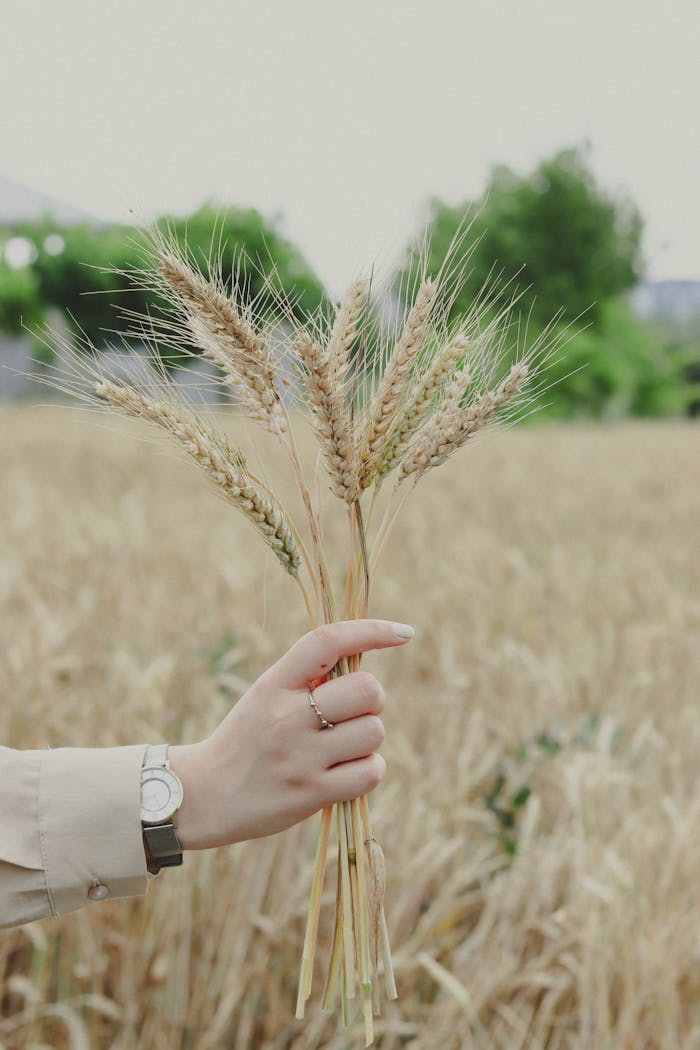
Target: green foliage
x=622 y=367
x=225 y=663
x=682 y=337
x=273 y=264
x=80 y=279
x=87 y=278
x=518 y=777
x=578 y=245
x=20 y=302
x=573 y=249
x=505 y=806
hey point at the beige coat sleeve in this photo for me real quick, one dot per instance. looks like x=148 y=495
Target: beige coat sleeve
x=69 y=820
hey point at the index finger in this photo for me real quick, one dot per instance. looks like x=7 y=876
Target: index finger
x=315 y=653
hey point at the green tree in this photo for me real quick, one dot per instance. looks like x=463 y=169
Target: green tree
x=554 y=230
x=622 y=367
x=569 y=247
x=20 y=303
x=88 y=276
x=273 y=264
x=81 y=278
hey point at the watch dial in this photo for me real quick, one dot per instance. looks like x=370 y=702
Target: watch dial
x=155 y=794
x=161 y=795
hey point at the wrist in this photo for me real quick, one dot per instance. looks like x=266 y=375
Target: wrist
x=186 y=763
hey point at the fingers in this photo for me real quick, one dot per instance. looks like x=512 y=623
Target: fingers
x=315 y=653
x=349 y=696
x=351 y=740
x=352 y=779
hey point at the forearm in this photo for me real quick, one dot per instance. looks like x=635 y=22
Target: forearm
x=69 y=822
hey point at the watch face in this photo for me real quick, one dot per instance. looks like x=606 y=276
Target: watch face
x=161 y=795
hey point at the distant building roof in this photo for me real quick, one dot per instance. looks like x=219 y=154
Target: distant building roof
x=678 y=300
x=20 y=203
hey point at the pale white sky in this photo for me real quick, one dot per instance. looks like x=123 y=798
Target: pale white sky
x=345 y=117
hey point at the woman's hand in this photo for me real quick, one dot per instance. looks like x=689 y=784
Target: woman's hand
x=270 y=764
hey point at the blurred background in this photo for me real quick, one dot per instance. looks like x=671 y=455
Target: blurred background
x=326 y=140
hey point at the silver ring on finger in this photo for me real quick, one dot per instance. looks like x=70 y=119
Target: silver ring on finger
x=325 y=724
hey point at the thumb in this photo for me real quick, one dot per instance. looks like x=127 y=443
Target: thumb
x=315 y=653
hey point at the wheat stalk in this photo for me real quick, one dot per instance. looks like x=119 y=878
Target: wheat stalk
x=330 y=418
x=419 y=403
x=224 y=465
x=416 y=419
x=391 y=386
x=344 y=332
x=227 y=337
x=325 y=373
x=452 y=425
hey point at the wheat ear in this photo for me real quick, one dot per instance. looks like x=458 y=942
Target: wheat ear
x=224 y=465
x=228 y=338
x=344 y=332
x=419 y=403
x=329 y=417
x=392 y=385
x=337 y=364
x=452 y=425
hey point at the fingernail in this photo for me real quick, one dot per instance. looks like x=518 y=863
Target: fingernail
x=403 y=630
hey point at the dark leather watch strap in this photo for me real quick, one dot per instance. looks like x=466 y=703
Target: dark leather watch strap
x=162 y=846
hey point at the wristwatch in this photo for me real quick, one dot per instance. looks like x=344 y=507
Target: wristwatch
x=161 y=797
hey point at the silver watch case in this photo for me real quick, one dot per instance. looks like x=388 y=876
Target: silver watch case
x=161 y=794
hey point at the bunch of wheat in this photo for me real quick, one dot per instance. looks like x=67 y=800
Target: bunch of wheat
x=381 y=404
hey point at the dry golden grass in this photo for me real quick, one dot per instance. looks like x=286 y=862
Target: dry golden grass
x=554 y=580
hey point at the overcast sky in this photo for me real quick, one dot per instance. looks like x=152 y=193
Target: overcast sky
x=346 y=117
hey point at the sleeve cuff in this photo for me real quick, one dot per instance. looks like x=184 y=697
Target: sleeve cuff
x=90 y=824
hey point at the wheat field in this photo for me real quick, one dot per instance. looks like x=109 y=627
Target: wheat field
x=541 y=812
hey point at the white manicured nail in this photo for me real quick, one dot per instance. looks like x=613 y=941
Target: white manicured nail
x=403 y=630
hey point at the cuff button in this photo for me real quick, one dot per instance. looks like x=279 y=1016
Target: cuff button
x=98 y=891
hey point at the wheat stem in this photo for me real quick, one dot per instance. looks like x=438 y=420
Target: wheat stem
x=309 y=950
x=334 y=969
x=324 y=580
